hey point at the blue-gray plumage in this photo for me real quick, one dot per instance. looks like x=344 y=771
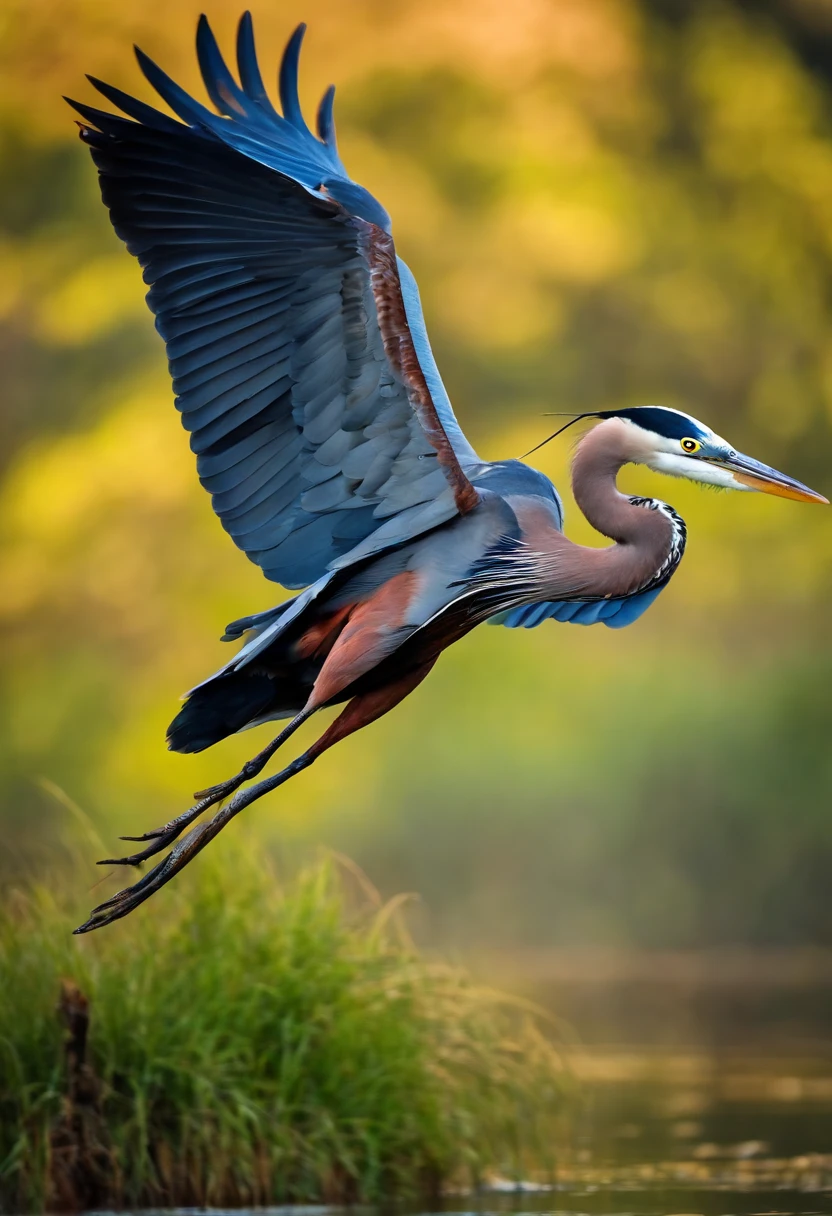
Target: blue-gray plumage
x=325 y=437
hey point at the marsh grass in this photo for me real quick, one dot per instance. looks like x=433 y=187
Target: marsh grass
x=261 y=1042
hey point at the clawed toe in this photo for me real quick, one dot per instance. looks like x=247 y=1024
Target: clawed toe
x=217 y=792
x=169 y=831
x=124 y=901
x=157 y=843
x=129 y=898
x=154 y=835
x=159 y=838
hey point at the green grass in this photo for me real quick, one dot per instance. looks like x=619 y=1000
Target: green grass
x=261 y=1042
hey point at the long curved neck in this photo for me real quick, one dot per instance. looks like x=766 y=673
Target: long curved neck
x=644 y=539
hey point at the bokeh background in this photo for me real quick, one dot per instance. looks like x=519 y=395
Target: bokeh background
x=606 y=202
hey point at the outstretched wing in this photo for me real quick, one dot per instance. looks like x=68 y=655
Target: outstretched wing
x=295 y=338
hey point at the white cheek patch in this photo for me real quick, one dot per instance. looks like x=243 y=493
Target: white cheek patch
x=695 y=470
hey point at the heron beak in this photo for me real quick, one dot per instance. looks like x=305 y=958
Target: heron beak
x=757 y=476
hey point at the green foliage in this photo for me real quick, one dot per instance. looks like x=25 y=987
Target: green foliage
x=262 y=1043
x=605 y=202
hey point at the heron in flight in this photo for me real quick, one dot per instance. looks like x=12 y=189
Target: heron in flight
x=324 y=435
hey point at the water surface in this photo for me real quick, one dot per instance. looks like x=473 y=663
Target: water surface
x=704 y=1086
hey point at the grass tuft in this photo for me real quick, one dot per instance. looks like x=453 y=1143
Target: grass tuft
x=259 y=1043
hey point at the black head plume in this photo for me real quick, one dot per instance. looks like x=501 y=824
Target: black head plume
x=669 y=423
x=573 y=418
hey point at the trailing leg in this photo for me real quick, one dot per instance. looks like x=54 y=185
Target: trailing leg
x=161 y=837
x=354 y=639
x=358 y=712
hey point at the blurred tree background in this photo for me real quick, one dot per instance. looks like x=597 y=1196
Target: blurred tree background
x=606 y=202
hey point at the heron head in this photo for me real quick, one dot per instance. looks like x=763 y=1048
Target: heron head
x=673 y=442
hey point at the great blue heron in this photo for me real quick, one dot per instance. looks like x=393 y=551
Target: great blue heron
x=326 y=439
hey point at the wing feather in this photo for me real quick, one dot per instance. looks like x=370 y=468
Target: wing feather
x=615 y=613
x=294 y=335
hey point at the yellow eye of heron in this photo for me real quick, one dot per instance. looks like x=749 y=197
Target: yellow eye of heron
x=690 y=446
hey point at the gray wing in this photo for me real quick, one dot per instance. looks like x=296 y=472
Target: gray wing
x=615 y=613
x=296 y=341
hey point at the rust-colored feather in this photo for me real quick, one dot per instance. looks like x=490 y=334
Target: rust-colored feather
x=399 y=348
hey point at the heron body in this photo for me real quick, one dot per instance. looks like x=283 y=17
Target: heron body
x=323 y=432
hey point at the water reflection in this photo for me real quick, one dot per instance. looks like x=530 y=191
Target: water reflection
x=705 y=1083
x=657 y=1201
x=712 y=1108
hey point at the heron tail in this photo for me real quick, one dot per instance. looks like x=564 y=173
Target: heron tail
x=226 y=704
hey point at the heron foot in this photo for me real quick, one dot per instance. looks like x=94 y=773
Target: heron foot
x=161 y=837
x=129 y=898
x=357 y=713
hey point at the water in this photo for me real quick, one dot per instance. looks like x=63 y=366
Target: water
x=705 y=1082
x=700 y=1132
x=705 y=1087
x=669 y=1133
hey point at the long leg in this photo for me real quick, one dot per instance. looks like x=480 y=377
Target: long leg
x=359 y=712
x=161 y=837
x=365 y=639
